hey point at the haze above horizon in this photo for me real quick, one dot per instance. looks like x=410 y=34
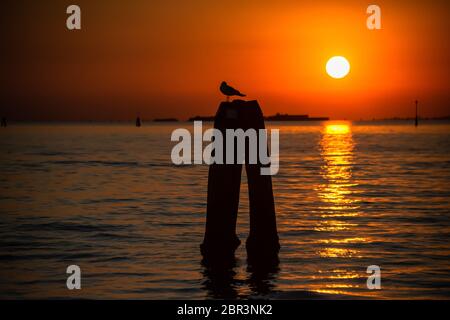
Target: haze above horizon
x=163 y=59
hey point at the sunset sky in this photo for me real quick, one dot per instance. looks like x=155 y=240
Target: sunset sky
x=167 y=58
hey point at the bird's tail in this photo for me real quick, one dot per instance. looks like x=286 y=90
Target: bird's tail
x=241 y=95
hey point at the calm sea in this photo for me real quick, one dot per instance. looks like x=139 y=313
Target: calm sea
x=107 y=198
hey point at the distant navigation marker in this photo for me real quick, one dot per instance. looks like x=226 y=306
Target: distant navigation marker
x=417 y=116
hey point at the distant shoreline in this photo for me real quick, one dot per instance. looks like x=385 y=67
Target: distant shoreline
x=157 y=122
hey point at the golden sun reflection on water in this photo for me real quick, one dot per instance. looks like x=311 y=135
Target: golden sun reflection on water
x=338 y=205
x=337 y=252
x=337 y=129
x=336 y=150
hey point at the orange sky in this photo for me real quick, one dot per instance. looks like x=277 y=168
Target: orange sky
x=167 y=58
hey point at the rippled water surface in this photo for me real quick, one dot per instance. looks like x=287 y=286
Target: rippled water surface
x=106 y=197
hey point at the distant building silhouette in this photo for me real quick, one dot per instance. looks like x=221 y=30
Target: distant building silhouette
x=165 y=120
x=294 y=117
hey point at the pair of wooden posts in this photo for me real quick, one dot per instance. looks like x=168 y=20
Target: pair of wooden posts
x=220 y=240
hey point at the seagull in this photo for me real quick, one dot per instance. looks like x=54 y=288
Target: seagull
x=229 y=91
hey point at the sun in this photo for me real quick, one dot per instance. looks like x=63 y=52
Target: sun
x=337 y=67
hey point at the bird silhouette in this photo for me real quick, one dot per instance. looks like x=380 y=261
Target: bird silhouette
x=229 y=91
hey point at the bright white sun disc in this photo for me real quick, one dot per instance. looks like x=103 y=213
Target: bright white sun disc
x=337 y=67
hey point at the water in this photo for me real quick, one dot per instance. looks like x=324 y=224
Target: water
x=107 y=198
